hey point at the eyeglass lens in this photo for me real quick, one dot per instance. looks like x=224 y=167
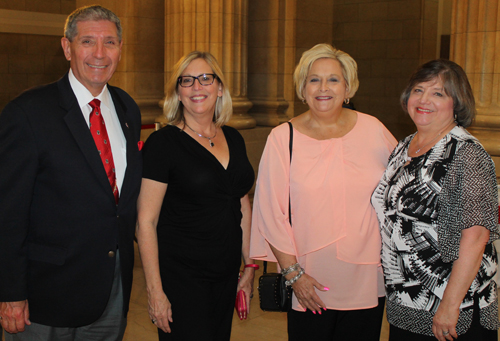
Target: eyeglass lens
x=204 y=79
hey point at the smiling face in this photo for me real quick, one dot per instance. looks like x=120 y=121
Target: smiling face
x=94 y=53
x=429 y=106
x=326 y=87
x=199 y=99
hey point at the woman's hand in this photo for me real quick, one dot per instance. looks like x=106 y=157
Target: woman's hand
x=246 y=284
x=160 y=311
x=444 y=323
x=305 y=290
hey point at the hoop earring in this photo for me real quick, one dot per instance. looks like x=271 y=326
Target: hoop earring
x=346 y=101
x=304 y=101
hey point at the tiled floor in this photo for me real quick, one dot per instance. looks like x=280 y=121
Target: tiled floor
x=259 y=326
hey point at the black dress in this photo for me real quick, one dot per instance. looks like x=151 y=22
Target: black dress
x=199 y=232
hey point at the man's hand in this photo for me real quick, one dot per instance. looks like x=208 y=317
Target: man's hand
x=14 y=316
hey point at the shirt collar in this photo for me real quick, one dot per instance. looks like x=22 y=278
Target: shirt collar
x=84 y=96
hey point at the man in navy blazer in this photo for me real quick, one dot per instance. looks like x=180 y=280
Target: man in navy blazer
x=66 y=245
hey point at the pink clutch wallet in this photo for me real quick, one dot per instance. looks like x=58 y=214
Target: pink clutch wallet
x=241 y=305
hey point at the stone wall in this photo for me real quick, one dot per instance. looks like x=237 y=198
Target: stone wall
x=30 y=44
x=388 y=40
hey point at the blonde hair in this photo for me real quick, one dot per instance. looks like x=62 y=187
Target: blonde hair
x=347 y=63
x=173 y=108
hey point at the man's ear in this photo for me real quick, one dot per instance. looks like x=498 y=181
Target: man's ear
x=66 y=46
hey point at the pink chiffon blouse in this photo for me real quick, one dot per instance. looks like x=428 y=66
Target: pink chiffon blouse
x=335 y=234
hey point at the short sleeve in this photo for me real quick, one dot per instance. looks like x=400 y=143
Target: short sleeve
x=469 y=197
x=388 y=139
x=156 y=161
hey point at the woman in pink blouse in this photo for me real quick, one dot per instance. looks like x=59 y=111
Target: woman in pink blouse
x=338 y=158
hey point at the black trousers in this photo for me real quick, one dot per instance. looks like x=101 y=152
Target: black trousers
x=342 y=325
x=201 y=310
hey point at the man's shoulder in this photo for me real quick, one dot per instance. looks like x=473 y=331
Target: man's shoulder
x=122 y=94
x=40 y=93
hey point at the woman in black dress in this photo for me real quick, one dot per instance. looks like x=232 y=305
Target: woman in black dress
x=194 y=212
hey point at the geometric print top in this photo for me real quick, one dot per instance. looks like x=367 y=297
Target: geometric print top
x=422 y=207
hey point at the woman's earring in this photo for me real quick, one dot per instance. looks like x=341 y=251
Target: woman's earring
x=346 y=101
x=304 y=101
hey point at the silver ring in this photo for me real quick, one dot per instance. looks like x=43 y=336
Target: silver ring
x=446 y=333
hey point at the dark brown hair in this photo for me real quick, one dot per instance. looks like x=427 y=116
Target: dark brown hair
x=455 y=83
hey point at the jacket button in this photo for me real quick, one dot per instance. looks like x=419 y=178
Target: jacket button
x=111 y=254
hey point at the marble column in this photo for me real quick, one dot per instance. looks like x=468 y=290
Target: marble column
x=217 y=26
x=475 y=45
x=271 y=47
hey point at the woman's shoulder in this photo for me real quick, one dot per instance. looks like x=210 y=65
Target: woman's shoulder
x=468 y=146
x=370 y=120
x=232 y=134
x=282 y=130
x=166 y=133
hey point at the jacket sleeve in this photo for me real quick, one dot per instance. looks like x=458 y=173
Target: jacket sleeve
x=18 y=169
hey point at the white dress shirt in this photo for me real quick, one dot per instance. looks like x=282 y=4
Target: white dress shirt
x=113 y=127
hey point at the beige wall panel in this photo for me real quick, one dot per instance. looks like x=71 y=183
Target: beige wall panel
x=387 y=30
x=377 y=11
x=4 y=64
x=346 y=12
x=412 y=29
x=404 y=10
x=403 y=49
x=48 y=6
x=355 y=31
x=315 y=11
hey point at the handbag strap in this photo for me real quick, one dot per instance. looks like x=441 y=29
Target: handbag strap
x=290 y=146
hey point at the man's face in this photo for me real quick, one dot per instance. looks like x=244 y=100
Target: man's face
x=94 y=53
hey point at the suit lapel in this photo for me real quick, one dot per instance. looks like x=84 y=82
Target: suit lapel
x=121 y=111
x=80 y=131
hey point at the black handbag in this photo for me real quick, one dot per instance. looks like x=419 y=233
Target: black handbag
x=274 y=295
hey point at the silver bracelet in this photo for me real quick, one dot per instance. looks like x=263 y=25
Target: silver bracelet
x=293 y=280
x=290 y=269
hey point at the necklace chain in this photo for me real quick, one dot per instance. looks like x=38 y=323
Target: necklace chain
x=428 y=143
x=206 y=137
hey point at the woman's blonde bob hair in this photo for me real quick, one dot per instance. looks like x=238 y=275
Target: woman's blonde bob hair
x=348 y=64
x=173 y=108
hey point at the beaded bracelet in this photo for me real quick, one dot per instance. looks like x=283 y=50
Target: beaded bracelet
x=255 y=266
x=290 y=269
x=293 y=280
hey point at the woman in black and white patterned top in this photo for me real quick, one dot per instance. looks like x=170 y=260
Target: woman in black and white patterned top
x=438 y=211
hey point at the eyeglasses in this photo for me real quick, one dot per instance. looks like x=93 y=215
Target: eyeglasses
x=204 y=79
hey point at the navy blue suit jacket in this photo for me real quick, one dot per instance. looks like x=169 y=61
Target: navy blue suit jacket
x=58 y=217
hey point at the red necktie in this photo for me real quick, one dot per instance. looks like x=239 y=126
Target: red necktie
x=100 y=135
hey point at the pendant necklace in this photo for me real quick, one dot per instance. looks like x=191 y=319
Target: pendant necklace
x=206 y=137
x=408 y=158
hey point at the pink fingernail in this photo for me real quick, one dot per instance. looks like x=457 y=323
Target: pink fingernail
x=325 y=288
x=305 y=310
x=314 y=312
x=319 y=311
x=324 y=309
